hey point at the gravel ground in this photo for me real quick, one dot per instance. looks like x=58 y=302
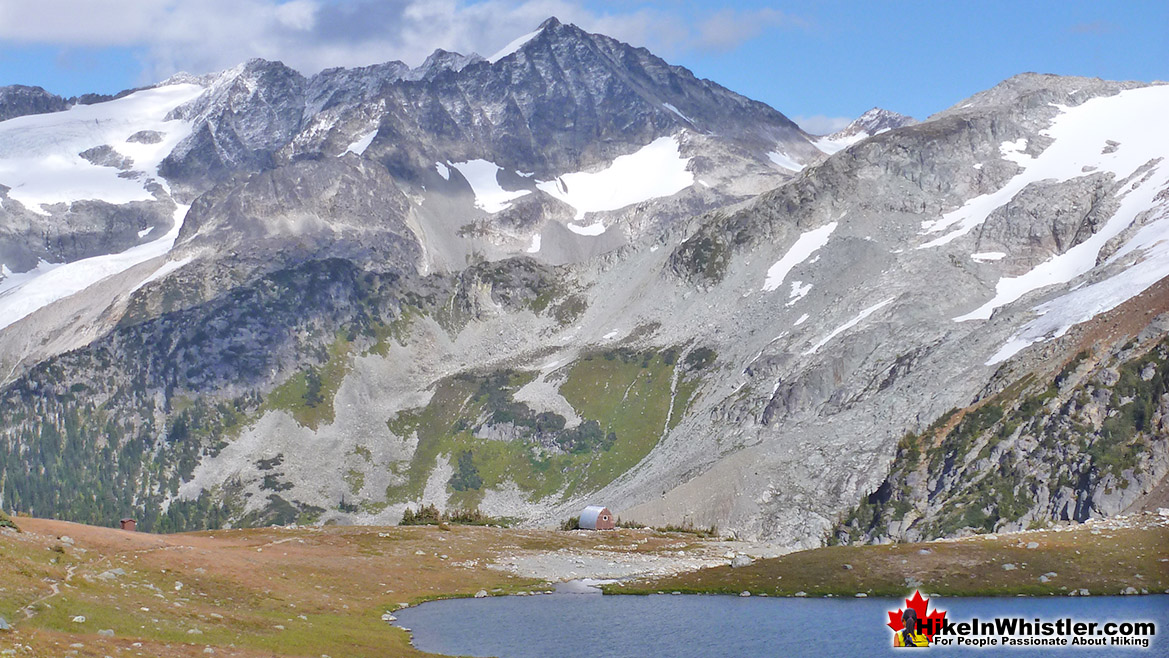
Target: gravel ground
x=575 y=564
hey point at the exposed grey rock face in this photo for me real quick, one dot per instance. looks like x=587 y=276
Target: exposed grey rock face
x=106 y=156
x=438 y=62
x=1088 y=442
x=564 y=101
x=247 y=114
x=145 y=137
x=21 y=100
x=313 y=209
x=77 y=230
x=339 y=277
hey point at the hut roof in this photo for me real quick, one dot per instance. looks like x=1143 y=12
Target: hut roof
x=588 y=518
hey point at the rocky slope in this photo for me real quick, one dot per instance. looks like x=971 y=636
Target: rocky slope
x=1088 y=441
x=402 y=286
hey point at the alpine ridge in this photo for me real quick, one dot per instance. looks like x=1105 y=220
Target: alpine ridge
x=571 y=272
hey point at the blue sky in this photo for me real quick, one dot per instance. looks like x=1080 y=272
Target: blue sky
x=818 y=62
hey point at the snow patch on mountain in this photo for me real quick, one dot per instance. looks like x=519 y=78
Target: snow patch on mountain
x=988 y=256
x=784 y=160
x=1134 y=119
x=39 y=154
x=799 y=291
x=25 y=293
x=806 y=245
x=165 y=269
x=678 y=112
x=594 y=229
x=1149 y=247
x=873 y=122
x=848 y=325
x=483 y=178
x=655 y=170
x=514 y=46
x=829 y=145
x=362 y=143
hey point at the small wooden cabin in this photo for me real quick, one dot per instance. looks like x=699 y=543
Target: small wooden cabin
x=595 y=517
x=130 y=525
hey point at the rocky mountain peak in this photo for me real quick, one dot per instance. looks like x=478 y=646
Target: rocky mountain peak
x=19 y=100
x=441 y=60
x=872 y=122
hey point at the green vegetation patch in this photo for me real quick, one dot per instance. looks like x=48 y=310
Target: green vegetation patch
x=1085 y=432
x=1103 y=562
x=308 y=395
x=623 y=397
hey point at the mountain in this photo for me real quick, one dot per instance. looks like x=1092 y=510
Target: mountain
x=573 y=273
x=873 y=122
x=19 y=100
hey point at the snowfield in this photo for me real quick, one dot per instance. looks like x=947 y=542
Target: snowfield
x=23 y=294
x=830 y=146
x=482 y=176
x=655 y=170
x=1134 y=118
x=39 y=154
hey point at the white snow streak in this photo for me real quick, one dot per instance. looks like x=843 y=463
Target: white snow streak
x=513 y=46
x=784 y=160
x=830 y=146
x=799 y=291
x=362 y=143
x=24 y=294
x=535 y=245
x=806 y=245
x=988 y=256
x=443 y=170
x=676 y=111
x=1150 y=245
x=165 y=269
x=596 y=228
x=848 y=325
x=655 y=170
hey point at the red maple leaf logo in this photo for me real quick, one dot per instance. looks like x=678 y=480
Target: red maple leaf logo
x=930 y=622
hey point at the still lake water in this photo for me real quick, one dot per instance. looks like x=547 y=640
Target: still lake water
x=590 y=625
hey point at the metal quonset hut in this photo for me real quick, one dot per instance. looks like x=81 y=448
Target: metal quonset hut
x=595 y=517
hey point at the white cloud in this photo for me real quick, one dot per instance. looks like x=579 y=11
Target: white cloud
x=818 y=124
x=729 y=28
x=209 y=35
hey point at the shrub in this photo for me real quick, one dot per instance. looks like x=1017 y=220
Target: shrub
x=429 y=515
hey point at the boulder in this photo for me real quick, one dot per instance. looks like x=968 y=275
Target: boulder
x=741 y=561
